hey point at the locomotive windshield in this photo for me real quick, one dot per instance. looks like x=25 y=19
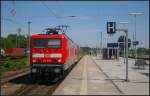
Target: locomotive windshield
x=47 y=43
x=54 y=43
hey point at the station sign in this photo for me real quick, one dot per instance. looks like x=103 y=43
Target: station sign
x=111 y=27
x=112 y=44
x=135 y=42
x=121 y=45
x=116 y=45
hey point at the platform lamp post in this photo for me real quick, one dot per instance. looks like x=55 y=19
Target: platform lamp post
x=125 y=29
x=135 y=14
x=124 y=44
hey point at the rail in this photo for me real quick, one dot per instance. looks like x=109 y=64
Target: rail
x=7 y=78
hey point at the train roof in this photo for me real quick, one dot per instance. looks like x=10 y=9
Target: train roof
x=48 y=36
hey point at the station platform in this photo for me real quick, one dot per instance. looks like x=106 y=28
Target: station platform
x=94 y=76
x=138 y=79
x=87 y=78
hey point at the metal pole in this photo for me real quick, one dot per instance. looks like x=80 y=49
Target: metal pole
x=135 y=14
x=19 y=30
x=112 y=53
x=118 y=51
x=28 y=44
x=16 y=40
x=108 y=53
x=124 y=44
x=101 y=44
x=124 y=48
x=135 y=39
x=126 y=31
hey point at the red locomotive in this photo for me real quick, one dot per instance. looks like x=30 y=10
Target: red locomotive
x=52 y=54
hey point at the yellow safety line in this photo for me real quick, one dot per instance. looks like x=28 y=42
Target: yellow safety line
x=83 y=90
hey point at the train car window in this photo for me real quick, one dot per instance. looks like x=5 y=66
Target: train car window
x=54 y=43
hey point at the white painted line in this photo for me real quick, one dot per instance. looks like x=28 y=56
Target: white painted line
x=83 y=90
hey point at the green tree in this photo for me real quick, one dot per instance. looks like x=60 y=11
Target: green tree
x=131 y=52
x=6 y=43
x=121 y=39
x=142 y=51
x=22 y=40
x=11 y=39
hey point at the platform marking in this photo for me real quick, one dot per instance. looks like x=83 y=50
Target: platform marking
x=83 y=90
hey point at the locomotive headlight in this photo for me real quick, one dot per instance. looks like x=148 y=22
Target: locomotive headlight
x=34 y=60
x=59 y=60
x=56 y=55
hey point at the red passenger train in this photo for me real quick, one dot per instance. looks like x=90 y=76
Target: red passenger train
x=52 y=53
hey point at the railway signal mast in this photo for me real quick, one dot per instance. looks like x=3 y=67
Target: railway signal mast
x=111 y=29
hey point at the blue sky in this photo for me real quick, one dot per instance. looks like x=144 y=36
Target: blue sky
x=86 y=27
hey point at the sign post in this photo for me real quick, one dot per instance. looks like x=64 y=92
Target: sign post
x=111 y=28
x=126 y=31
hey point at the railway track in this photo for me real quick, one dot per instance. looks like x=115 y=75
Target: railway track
x=145 y=58
x=37 y=89
x=9 y=77
x=40 y=88
x=29 y=87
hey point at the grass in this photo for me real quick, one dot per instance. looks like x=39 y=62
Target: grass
x=10 y=64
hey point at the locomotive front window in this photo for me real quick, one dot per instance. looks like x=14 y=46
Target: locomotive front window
x=50 y=43
x=54 y=43
x=40 y=43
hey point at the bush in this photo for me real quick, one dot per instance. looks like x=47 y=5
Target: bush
x=2 y=70
x=26 y=61
x=14 y=65
x=10 y=64
x=20 y=64
x=131 y=53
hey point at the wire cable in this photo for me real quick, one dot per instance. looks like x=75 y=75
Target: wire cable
x=53 y=13
x=10 y=20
